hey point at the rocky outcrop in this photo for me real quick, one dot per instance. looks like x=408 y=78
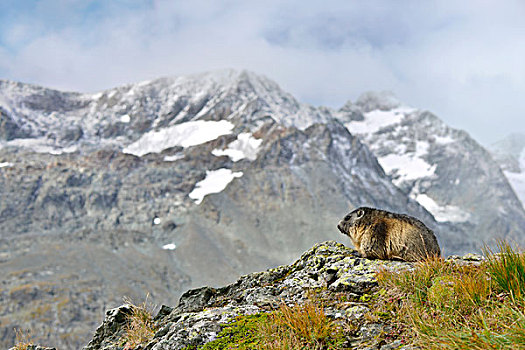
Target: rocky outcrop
x=328 y=267
x=343 y=280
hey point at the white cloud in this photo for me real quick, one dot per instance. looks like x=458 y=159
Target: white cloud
x=460 y=60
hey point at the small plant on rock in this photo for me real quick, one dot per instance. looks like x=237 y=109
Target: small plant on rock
x=23 y=340
x=303 y=326
x=140 y=327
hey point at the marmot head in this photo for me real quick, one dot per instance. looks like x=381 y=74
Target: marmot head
x=351 y=220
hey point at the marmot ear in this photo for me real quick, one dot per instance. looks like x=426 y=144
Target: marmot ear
x=360 y=213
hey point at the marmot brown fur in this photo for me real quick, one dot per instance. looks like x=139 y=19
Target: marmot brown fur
x=379 y=234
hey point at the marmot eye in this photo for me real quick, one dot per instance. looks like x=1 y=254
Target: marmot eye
x=347 y=217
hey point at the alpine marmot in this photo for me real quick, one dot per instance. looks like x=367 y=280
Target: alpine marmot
x=379 y=234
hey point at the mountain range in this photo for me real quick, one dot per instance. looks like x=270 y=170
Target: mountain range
x=170 y=184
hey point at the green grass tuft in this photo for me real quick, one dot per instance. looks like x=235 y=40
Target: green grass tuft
x=241 y=334
x=507 y=269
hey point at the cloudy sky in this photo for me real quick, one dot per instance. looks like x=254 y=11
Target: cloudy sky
x=463 y=60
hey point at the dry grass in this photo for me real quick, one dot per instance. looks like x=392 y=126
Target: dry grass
x=445 y=306
x=507 y=269
x=302 y=326
x=140 y=327
x=23 y=339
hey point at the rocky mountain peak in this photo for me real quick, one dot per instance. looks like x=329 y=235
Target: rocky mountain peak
x=382 y=100
x=511 y=146
x=350 y=112
x=510 y=155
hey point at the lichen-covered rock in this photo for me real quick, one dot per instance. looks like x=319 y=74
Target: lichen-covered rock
x=107 y=335
x=197 y=328
x=35 y=347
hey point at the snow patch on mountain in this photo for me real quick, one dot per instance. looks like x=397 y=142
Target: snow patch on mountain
x=378 y=119
x=246 y=146
x=447 y=213
x=215 y=182
x=517 y=179
x=185 y=134
x=6 y=165
x=443 y=140
x=174 y=157
x=169 y=246
x=510 y=154
x=405 y=166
